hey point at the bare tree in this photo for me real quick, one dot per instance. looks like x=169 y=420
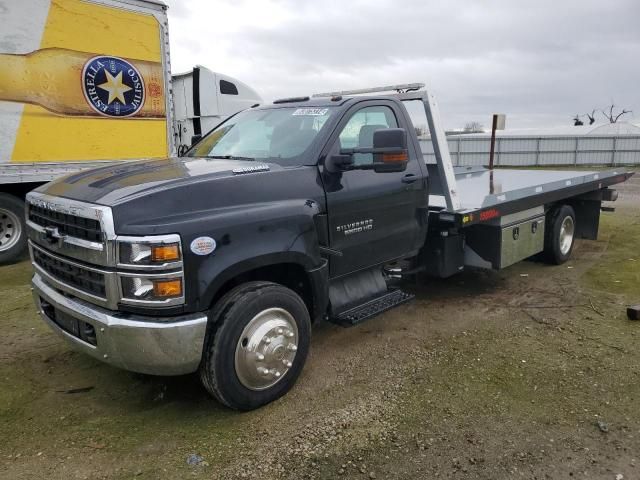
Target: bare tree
x=421 y=131
x=613 y=117
x=592 y=117
x=577 y=122
x=473 y=127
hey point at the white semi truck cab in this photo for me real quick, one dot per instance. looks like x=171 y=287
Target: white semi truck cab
x=202 y=99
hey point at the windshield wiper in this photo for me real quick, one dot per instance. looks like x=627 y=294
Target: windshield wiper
x=230 y=157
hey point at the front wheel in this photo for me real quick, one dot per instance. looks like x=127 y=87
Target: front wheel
x=256 y=345
x=560 y=234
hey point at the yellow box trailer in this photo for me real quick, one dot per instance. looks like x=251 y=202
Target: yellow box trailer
x=84 y=83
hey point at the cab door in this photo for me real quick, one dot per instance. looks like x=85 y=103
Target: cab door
x=373 y=217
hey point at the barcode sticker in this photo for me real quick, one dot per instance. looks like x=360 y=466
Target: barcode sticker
x=313 y=112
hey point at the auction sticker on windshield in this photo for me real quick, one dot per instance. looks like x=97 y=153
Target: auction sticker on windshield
x=313 y=112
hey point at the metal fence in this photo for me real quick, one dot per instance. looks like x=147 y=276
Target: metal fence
x=544 y=150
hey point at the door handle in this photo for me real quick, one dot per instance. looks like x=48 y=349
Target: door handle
x=409 y=178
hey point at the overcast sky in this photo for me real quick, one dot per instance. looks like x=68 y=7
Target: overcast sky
x=540 y=61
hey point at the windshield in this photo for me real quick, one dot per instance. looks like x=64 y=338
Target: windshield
x=279 y=135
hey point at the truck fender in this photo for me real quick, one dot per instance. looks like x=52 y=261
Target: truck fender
x=291 y=239
x=316 y=276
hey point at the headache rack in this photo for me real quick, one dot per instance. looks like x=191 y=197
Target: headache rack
x=402 y=88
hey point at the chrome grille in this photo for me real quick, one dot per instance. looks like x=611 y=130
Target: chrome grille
x=74 y=249
x=78 y=227
x=71 y=228
x=84 y=279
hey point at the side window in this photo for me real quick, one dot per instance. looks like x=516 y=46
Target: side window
x=418 y=117
x=358 y=132
x=228 y=88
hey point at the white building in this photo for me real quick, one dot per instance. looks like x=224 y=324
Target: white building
x=604 y=144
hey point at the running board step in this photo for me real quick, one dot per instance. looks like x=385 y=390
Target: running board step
x=372 y=308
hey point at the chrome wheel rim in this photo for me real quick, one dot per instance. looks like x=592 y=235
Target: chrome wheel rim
x=566 y=235
x=266 y=349
x=10 y=229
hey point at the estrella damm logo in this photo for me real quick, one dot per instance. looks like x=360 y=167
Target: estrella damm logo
x=112 y=86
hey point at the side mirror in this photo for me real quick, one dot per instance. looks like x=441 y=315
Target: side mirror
x=390 y=150
x=338 y=163
x=389 y=153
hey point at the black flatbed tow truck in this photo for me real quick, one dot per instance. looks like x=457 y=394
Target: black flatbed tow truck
x=282 y=216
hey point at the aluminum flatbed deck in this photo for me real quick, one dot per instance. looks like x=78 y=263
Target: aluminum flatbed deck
x=486 y=194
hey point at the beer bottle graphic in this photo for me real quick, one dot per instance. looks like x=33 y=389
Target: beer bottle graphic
x=68 y=82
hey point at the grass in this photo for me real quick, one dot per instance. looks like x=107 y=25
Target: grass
x=528 y=394
x=519 y=388
x=620 y=273
x=123 y=415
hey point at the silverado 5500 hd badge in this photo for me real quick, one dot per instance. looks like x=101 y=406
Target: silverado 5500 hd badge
x=355 y=227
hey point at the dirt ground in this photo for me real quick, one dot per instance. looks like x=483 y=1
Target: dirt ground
x=532 y=372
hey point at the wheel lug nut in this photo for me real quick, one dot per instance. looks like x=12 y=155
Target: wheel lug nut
x=260 y=357
x=267 y=340
x=292 y=347
x=289 y=334
x=279 y=331
x=263 y=371
x=286 y=363
x=277 y=374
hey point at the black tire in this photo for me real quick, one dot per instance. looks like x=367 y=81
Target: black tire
x=554 y=252
x=229 y=317
x=13 y=233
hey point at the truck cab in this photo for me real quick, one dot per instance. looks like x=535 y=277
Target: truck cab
x=282 y=216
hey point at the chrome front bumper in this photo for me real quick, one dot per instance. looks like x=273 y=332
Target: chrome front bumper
x=164 y=346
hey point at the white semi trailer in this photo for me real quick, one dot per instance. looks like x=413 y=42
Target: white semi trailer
x=87 y=82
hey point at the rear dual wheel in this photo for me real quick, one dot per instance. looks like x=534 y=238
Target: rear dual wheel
x=256 y=345
x=560 y=233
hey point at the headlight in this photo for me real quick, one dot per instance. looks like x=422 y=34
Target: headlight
x=165 y=289
x=155 y=252
x=151 y=272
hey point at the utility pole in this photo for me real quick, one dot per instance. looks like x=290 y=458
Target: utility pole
x=498 y=122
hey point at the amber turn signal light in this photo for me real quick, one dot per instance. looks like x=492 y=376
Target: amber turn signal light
x=395 y=157
x=165 y=253
x=167 y=288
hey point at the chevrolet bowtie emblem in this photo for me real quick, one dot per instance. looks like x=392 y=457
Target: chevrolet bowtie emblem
x=52 y=234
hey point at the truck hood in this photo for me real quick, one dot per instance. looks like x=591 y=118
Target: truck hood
x=184 y=194
x=115 y=184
